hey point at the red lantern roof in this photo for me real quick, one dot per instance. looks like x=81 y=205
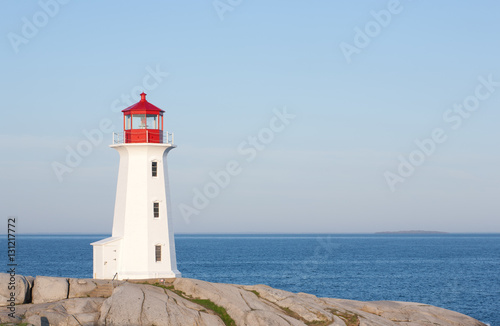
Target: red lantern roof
x=142 y=106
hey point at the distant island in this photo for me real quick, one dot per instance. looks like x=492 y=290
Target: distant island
x=411 y=232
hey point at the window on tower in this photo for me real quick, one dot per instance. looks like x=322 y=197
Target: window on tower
x=154 y=169
x=157 y=253
x=156 y=210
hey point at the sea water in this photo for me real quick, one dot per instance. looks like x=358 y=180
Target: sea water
x=460 y=272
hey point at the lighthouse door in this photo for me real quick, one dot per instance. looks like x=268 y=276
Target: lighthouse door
x=110 y=260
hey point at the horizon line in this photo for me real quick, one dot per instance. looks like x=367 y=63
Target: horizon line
x=416 y=232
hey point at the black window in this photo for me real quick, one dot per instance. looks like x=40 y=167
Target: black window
x=157 y=253
x=154 y=169
x=156 y=210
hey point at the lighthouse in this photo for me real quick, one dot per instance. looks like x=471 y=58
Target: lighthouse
x=142 y=244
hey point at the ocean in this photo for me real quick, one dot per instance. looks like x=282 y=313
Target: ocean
x=460 y=272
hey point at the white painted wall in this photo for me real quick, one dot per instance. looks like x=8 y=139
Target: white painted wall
x=135 y=231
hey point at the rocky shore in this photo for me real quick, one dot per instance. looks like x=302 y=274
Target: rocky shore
x=68 y=301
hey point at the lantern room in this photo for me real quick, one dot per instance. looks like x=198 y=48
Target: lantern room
x=143 y=123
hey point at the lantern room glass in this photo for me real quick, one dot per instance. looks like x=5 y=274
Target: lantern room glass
x=152 y=121
x=138 y=121
x=128 y=122
x=142 y=121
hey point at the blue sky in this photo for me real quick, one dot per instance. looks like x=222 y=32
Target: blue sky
x=221 y=70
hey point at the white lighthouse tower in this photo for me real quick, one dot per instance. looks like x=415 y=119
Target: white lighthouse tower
x=142 y=242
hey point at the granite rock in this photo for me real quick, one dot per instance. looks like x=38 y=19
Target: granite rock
x=18 y=285
x=140 y=304
x=50 y=289
x=195 y=302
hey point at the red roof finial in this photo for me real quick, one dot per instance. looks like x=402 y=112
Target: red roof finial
x=143 y=97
